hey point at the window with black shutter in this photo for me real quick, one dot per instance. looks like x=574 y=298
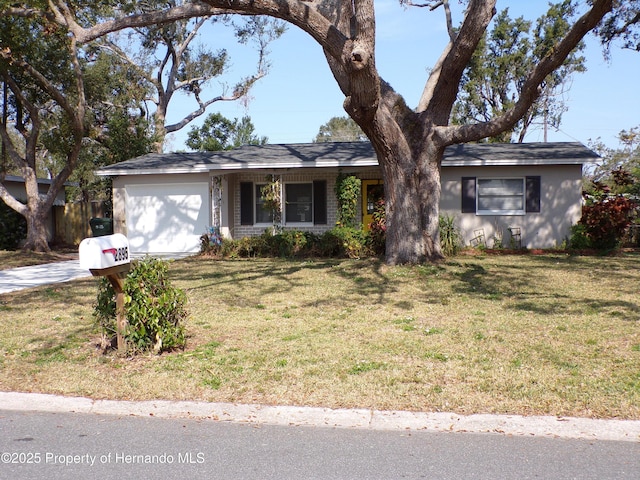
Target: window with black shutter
x=501 y=196
x=302 y=202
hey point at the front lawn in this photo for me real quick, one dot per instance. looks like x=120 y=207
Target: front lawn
x=528 y=334
x=18 y=258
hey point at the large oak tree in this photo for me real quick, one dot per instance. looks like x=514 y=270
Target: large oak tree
x=409 y=141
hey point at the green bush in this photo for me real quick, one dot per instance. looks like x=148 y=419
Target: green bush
x=292 y=243
x=450 y=237
x=349 y=242
x=13 y=227
x=579 y=239
x=155 y=310
x=378 y=229
x=344 y=242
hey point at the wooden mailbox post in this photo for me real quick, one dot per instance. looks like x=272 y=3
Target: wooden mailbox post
x=108 y=256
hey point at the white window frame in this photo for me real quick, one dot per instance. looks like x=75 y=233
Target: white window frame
x=286 y=220
x=523 y=194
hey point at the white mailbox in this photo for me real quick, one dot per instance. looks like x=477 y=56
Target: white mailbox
x=100 y=253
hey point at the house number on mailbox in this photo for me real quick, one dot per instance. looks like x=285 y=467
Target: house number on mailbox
x=119 y=254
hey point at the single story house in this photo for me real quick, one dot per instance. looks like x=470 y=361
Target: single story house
x=528 y=193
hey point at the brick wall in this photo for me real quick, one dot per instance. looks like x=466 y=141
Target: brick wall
x=329 y=175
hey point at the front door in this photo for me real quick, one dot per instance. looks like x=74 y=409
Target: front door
x=372 y=193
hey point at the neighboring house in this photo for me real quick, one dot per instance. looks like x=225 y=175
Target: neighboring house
x=165 y=202
x=15 y=186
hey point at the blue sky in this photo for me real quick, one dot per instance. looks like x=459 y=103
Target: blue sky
x=300 y=94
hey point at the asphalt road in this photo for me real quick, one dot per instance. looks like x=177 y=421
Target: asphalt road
x=52 y=446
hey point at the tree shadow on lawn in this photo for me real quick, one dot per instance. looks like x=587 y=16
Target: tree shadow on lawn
x=213 y=272
x=68 y=298
x=521 y=283
x=627 y=311
x=490 y=283
x=56 y=348
x=261 y=277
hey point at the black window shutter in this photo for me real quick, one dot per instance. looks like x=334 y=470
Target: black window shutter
x=246 y=203
x=533 y=194
x=468 y=194
x=320 y=202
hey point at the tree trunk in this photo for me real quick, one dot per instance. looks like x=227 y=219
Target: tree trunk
x=412 y=199
x=160 y=131
x=36 y=230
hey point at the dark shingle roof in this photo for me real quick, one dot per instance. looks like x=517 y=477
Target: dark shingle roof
x=345 y=154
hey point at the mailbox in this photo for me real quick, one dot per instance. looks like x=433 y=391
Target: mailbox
x=106 y=252
x=108 y=256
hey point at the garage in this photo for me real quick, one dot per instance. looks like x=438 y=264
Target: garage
x=166 y=219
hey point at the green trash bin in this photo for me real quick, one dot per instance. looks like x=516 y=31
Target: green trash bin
x=101 y=226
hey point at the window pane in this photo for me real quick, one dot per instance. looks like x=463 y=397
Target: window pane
x=503 y=186
x=498 y=195
x=500 y=203
x=263 y=214
x=298 y=202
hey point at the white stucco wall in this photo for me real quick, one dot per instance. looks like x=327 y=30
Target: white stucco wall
x=560 y=205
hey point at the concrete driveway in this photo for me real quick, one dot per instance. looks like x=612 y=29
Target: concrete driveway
x=37 y=275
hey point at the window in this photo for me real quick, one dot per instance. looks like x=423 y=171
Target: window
x=298 y=203
x=263 y=214
x=501 y=196
x=302 y=203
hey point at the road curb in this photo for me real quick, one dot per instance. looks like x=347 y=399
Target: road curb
x=516 y=425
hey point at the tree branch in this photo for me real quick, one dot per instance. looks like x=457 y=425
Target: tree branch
x=447 y=72
x=189 y=10
x=531 y=89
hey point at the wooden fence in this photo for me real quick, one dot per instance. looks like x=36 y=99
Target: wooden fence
x=72 y=221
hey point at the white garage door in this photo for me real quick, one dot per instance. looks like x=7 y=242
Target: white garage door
x=167 y=219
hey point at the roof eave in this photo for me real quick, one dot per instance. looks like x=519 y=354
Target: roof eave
x=237 y=167
x=517 y=163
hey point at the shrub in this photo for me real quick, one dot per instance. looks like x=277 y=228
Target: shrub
x=378 y=229
x=347 y=242
x=155 y=310
x=293 y=243
x=344 y=242
x=605 y=220
x=13 y=227
x=579 y=239
x=450 y=238
x=211 y=242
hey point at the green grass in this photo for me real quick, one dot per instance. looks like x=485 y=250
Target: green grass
x=17 y=258
x=528 y=334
